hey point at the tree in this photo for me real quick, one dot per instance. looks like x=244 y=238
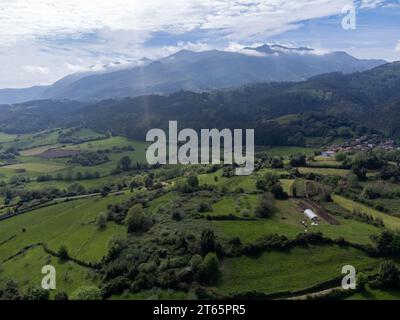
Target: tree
x=196 y=263
x=277 y=162
x=10 y=291
x=61 y=296
x=367 y=161
x=360 y=172
x=261 y=184
x=340 y=156
x=265 y=208
x=76 y=189
x=105 y=191
x=137 y=220
x=298 y=160
x=63 y=253
x=372 y=192
x=362 y=281
x=210 y=268
x=388 y=276
x=177 y=216
x=148 y=182
x=344 y=132
x=278 y=192
x=208 y=242
x=101 y=221
x=193 y=181
x=184 y=187
x=267 y=181
x=125 y=163
x=387 y=242
x=204 y=207
x=86 y=293
x=135 y=183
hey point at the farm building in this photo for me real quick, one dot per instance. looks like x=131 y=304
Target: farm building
x=328 y=153
x=311 y=215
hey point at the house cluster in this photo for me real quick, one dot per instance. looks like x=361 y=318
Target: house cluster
x=364 y=143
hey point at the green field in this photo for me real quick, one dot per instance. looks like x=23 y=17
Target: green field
x=247 y=183
x=32 y=166
x=375 y=294
x=179 y=219
x=235 y=205
x=36 y=167
x=286 y=221
x=88 y=184
x=325 y=171
x=389 y=221
x=4 y=137
x=26 y=270
x=286 y=185
x=27 y=141
x=292 y=270
x=84 y=132
x=69 y=223
x=108 y=143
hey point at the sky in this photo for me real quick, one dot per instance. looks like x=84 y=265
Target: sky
x=41 y=41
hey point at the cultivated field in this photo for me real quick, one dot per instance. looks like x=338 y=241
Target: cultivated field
x=297 y=269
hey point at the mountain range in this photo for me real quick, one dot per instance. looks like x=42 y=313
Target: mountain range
x=195 y=71
x=282 y=113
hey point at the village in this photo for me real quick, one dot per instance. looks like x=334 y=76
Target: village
x=363 y=143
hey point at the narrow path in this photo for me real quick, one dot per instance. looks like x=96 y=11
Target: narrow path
x=321 y=293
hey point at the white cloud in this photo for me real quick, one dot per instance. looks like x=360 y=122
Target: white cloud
x=370 y=4
x=26 y=19
x=77 y=35
x=237 y=47
x=36 y=69
x=75 y=67
x=398 y=46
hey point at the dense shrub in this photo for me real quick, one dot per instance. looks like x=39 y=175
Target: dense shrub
x=298 y=160
x=209 y=272
x=88 y=159
x=37 y=294
x=86 y=293
x=62 y=253
x=101 y=221
x=136 y=220
x=266 y=207
x=388 y=276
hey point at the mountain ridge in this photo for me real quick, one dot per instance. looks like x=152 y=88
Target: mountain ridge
x=368 y=99
x=195 y=71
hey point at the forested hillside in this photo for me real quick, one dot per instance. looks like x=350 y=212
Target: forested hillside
x=330 y=105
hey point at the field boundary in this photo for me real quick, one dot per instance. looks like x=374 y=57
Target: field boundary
x=90 y=265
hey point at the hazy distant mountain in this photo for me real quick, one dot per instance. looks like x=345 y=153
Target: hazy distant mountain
x=9 y=96
x=199 y=71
